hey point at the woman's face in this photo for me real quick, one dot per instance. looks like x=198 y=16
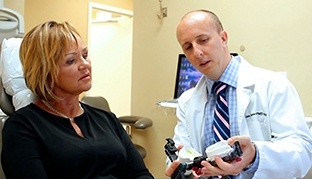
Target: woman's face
x=74 y=71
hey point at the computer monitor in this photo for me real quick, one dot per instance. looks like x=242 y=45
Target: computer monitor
x=187 y=76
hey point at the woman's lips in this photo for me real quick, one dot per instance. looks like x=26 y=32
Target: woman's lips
x=85 y=77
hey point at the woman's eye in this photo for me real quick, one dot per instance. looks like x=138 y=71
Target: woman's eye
x=85 y=56
x=71 y=61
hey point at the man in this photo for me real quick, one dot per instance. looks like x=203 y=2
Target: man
x=264 y=110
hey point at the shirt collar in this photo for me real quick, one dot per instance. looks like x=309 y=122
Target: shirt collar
x=229 y=76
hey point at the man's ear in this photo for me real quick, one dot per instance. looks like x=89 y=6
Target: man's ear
x=224 y=37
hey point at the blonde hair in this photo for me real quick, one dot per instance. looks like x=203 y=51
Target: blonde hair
x=41 y=52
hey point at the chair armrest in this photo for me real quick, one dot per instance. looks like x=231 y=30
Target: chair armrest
x=137 y=121
x=6 y=103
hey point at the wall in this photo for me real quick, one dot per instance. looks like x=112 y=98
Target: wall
x=16 y=5
x=74 y=11
x=123 y=4
x=111 y=63
x=274 y=33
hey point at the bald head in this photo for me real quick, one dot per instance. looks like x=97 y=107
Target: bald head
x=203 y=15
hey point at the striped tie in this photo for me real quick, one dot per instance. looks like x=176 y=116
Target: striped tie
x=221 y=127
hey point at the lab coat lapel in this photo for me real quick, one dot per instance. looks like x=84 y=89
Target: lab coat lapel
x=245 y=88
x=199 y=99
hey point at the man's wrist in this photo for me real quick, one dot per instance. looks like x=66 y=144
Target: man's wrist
x=253 y=160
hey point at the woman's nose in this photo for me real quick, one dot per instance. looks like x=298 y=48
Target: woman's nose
x=84 y=62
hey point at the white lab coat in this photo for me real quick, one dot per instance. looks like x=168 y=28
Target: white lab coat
x=282 y=136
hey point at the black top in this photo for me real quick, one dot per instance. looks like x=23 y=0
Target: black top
x=37 y=144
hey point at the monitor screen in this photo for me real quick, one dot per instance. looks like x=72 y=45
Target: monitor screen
x=187 y=76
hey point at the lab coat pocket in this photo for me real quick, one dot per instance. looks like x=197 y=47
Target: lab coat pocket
x=258 y=126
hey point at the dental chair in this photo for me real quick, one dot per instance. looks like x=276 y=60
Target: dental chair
x=7 y=108
x=11 y=25
x=128 y=122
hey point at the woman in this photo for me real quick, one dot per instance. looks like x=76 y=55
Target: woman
x=56 y=136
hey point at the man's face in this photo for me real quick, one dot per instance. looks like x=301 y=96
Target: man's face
x=203 y=45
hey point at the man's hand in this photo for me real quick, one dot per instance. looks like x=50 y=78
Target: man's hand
x=174 y=165
x=233 y=168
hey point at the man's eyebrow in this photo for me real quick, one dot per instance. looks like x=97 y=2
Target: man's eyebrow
x=185 y=44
